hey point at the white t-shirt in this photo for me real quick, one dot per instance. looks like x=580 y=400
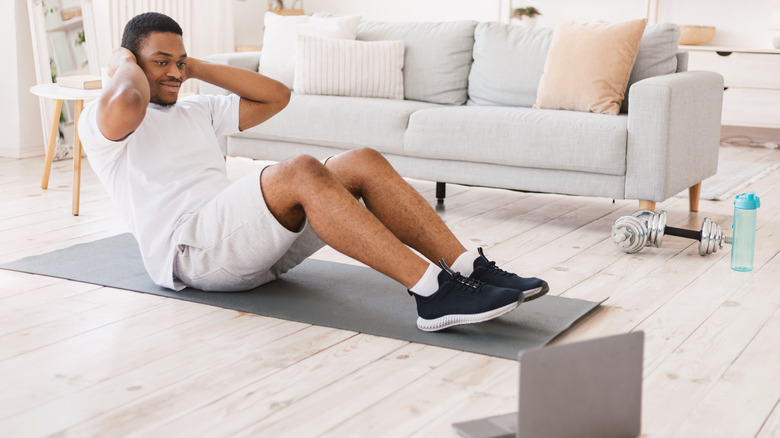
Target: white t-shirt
x=169 y=167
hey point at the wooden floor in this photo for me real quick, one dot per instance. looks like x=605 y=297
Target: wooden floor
x=87 y=361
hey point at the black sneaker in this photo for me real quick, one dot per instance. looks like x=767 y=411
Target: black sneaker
x=488 y=272
x=462 y=300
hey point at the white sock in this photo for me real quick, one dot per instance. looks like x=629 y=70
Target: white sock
x=464 y=264
x=429 y=283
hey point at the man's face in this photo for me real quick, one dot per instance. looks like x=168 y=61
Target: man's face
x=162 y=58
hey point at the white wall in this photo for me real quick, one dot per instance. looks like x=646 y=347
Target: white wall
x=249 y=14
x=586 y=11
x=20 y=120
x=411 y=10
x=248 y=21
x=739 y=23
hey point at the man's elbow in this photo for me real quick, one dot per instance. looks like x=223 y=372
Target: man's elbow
x=282 y=97
x=130 y=101
x=119 y=114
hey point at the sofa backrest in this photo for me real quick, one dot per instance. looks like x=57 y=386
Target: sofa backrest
x=657 y=55
x=509 y=61
x=437 y=57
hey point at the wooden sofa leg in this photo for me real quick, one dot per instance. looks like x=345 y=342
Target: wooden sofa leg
x=646 y=205
x=694 y=193
x=441 y=193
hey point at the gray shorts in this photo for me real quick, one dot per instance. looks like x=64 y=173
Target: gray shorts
x=234 y=243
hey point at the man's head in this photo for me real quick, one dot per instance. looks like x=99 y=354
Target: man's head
x=156 y=41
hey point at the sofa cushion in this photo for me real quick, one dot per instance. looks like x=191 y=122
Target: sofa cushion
x=657 y=55
x=508 y=62
x=524 y=137
x=280 y=39
x=337 y=67
x=588 y=66
x=437 y=59
x=344 y=122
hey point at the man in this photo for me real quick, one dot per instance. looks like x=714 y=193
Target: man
x=159 y=159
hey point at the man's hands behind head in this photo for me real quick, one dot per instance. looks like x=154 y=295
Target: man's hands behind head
x=119 y=55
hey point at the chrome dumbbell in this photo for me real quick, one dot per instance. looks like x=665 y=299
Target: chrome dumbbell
x=648 y=228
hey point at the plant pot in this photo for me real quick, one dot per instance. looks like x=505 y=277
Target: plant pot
x=523 y=21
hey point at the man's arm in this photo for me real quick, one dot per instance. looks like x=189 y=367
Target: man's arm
x=261 y=97
x=122 y=105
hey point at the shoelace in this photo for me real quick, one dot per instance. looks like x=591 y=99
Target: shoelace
x=492 y=265
x=468 y=281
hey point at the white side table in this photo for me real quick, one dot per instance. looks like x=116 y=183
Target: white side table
x=60 y=94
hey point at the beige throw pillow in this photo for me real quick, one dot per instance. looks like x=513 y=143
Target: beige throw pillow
x=588 y=66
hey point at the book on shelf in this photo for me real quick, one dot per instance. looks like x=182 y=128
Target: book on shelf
x=82 y=82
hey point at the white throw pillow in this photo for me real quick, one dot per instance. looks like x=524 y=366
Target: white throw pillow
x=350 y=68
x=281 y=37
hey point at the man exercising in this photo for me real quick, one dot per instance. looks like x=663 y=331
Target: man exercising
x=159 y=159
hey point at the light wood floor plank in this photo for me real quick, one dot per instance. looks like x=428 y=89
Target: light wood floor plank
x=258 y=358
x=745 y=395
x=97 y=355
x=496 y=398
x=319 y=412
x=771 y=428
x=423 y=401
x=98 y=401
x=260 y=399
x=22 y=341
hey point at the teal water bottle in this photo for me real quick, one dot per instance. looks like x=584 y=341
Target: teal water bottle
x=743 y=240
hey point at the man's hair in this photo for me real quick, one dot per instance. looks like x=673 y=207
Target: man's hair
x=140 y=26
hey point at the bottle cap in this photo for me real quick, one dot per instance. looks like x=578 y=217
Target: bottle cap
x=747 y=201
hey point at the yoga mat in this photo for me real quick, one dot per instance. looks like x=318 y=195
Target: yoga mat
x=323 y=293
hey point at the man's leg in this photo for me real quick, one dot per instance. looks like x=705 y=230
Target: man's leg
x=377 y=234
x=302 y=188
x=368 y=175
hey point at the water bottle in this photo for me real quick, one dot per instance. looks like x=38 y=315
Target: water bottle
x=744 y=231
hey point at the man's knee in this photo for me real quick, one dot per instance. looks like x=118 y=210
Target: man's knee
x=363 y=163
x=369 y=155
x=305 y=166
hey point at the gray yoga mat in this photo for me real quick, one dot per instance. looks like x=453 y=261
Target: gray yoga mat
x=323 y=293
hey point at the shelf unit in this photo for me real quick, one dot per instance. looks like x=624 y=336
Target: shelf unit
x=752 y=95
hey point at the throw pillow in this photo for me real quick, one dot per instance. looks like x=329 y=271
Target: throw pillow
x=657 y=55
x=350 y=68
x=280 y=39
x=508 y=63
x=588 y=66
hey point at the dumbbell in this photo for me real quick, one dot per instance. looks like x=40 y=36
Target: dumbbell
x=648 y=228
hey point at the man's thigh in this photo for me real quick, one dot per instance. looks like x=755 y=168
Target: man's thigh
x=235 y=243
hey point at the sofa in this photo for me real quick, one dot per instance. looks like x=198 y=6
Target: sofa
x=467 y=117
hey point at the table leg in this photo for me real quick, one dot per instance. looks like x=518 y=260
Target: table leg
x=76 y=157
x=53 y=133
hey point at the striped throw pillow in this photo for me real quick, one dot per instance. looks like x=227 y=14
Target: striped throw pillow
x=338 y=67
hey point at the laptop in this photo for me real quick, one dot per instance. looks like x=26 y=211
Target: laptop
x=589 y=389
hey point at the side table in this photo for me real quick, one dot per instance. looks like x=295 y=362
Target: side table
x=60 y=94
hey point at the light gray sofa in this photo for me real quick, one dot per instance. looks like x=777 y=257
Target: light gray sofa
x=466 y=117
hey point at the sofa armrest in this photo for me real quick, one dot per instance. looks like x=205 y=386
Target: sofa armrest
x=247 y=60
x=673 y=133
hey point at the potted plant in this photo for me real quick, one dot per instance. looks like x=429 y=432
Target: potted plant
x=525 y=16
